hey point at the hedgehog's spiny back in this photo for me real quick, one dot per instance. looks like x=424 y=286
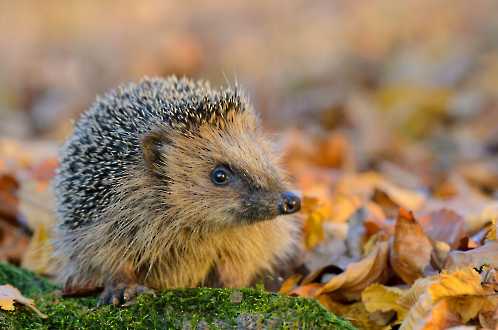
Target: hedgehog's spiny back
x=106 y=139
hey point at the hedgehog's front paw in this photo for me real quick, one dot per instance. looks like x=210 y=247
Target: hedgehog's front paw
x=122 y=294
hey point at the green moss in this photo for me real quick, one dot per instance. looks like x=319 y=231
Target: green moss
x=27 y=282
x=180 y=308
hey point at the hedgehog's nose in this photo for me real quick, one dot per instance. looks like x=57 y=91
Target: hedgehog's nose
x=290 y=203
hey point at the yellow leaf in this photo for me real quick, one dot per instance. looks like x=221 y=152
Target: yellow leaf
x=382 y=298
x=9 y=294
x=492 y=232
x=462 y=282
x=458 y=293
x=405 y=198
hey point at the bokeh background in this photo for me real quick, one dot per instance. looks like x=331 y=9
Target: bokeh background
x=419 y=65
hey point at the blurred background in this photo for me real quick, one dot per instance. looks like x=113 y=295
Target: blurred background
x=418 y=64
x=408 y=89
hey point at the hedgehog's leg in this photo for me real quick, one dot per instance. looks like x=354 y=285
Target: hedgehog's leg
x=122 y=293
x=123 y=289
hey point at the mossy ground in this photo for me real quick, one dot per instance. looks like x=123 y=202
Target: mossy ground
x=201 y=308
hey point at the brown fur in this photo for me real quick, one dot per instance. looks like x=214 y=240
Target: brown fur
x=140 y=240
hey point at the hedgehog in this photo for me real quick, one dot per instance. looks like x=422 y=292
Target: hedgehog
x=170 y=183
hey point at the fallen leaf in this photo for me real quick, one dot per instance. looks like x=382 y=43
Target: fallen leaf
x=439 y=254
x=469 y=307
x=10 y=294
x=359 y=275
x=13 y=242
x=307 y=290
x=411 y=248
x=444 y=225
x=355 y=313
x=332 y=151
x=483 y=255
x=9 y=186
x=462 y=282
x=489 y=320
x=451 y=288
x=412 y=295
x=440 y=317
x=290 y=283
x=383 y=298
x=388 y=205
x=405 y=198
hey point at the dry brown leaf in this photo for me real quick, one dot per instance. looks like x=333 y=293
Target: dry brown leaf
x=383 y=298
x=10 y=294
x=483 y=255
x=489 y=320
x=385 y=202
x=411 y=248
x=332 y=151
x=13 y=242
x=359 y=275
x=8 y=197
x=376 y=221
x=444 y=225
x=405 y=198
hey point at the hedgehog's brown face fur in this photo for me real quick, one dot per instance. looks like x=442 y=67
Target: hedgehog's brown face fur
x=222 y=176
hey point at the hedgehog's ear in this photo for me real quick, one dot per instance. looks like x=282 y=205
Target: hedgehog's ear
x=152 y=143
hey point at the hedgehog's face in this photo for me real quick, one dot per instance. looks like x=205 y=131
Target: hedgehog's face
x=224 y=176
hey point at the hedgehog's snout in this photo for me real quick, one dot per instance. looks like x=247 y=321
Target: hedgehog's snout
x=289 y=203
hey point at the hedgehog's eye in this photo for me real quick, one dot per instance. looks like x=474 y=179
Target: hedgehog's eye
x=220 y=175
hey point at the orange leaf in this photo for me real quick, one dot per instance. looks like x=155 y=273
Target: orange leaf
x=411 y=248
x=307 y=290
x=290 y=283
x=359 y=275
x=440 y=317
